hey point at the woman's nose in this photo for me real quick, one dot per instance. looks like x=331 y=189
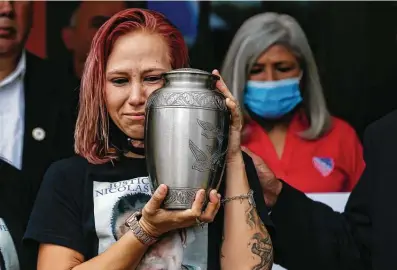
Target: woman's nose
x=137 y=95
x=270 y=75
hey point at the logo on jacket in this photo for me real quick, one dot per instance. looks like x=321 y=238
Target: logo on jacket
x=324 y=165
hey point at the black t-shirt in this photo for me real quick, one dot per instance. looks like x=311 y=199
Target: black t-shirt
x=81 y=206
x=15 y=194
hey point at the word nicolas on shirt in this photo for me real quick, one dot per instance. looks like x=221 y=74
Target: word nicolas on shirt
x=136 y=185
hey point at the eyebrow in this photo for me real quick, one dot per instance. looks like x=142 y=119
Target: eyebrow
x=116 y=72
x=153 y=69
x=123 y=72
x=282 y=62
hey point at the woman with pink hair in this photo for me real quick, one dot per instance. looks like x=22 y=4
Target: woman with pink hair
x=98 y=210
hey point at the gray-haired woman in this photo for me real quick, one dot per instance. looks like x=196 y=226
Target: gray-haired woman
x=271 y=69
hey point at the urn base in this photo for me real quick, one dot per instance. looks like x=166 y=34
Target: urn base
x=179 y=198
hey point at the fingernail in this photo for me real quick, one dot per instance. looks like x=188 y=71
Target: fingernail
x=162 y=189
x=213 y=192
x=219 y=196
x=215 y=70
x=199 y=194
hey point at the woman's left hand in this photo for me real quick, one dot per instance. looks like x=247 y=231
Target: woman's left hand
x=234 y=148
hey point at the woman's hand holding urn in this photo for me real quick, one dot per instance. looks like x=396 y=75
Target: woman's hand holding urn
x=156 y=221
x=234 y=149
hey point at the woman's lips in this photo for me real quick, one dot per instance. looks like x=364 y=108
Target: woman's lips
x=135 y=116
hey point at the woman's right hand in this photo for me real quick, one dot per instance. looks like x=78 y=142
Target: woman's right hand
x=156 y=221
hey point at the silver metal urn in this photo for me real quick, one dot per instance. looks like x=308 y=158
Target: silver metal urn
x=186 y=135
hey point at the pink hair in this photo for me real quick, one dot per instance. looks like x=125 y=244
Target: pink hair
x=92 y=127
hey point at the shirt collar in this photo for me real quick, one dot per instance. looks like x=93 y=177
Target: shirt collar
x=18 y=72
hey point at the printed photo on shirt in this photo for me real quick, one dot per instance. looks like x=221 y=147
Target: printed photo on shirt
x=114 y=202
x=8 y=253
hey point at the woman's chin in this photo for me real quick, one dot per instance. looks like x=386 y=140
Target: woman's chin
x=136 y=133
x=134 y=136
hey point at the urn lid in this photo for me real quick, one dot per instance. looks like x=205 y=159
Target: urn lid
x=190 y=71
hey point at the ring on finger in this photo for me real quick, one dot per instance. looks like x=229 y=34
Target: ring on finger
x=200 y=223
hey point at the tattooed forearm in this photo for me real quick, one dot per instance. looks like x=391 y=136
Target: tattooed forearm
x=261 y=245
x=250 y=215
x=259 y=251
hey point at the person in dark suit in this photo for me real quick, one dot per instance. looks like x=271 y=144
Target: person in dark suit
x=310 y=235
x=85 y=20
x=35 y=128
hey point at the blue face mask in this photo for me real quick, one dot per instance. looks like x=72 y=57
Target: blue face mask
x=272 y=99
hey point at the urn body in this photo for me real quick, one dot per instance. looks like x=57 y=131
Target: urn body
x=186 y=136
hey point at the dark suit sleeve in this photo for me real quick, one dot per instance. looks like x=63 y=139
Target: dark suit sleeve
x=310 y=235
x=64 y=142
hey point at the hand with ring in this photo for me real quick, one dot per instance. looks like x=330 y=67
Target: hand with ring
x=157 y=221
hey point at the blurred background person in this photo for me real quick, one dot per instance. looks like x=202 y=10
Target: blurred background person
x=270 y=67
x=360 y=236
x=34 y=129
x=84 y=23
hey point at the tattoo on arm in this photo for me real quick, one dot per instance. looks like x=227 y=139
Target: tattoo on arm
x=250 y=214
x=261 y=245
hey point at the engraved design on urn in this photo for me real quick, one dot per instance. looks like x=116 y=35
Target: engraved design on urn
x=193 y=99
x=206 y=162
x=186 y=135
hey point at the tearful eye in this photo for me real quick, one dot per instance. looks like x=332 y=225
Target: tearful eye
x=119 y=81
x=153 y=79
